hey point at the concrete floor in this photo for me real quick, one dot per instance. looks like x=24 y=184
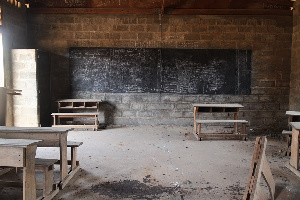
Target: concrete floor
x=166 y=163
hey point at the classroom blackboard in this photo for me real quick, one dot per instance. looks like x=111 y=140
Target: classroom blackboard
x=149 y=70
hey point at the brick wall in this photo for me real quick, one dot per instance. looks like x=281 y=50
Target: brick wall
x=268 y=37
x=295 y=69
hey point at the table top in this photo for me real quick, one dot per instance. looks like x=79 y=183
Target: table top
x=79 y=100
x=234 y=105
x=293 y=113
x=17 y=142
x=10 y=129
x=296 y=125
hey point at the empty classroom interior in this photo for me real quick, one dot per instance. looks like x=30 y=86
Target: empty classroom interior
x=151 y=99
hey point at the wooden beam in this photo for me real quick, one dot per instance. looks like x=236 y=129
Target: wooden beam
x=91 y=11
x=148 y=4
x=227 y=12
x=158 y=11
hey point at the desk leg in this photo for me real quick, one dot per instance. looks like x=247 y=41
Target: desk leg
x=96 y=122
x=29 y=181
x=73 y=158
x=54 y=120
x=235 y=124
x=199 y=132
x=195 y=124
x=290 y=120
x=294 y=161
x=63 y=157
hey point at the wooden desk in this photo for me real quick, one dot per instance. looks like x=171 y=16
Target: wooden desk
x=77 y=108
x=52 y=137
x=21 y=153
x=294 y=160
x=216 y=108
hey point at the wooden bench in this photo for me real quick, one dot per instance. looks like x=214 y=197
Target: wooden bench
x=241 y=135
x=260 y=169
x=74 y=163
x=58 y=116
x=74 y=145
x=288 y=137
x=50 y=189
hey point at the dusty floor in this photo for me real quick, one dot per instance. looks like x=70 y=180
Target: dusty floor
x=165 y=163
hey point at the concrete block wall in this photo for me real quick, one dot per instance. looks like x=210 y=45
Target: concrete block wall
x=154 y=109
x=25 y=106
x=269 y=38
x=295 y=71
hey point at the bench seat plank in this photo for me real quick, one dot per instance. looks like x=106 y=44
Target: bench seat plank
x=285 y=132
x=75 y=115
x=199 y=121
x=74 y=144
x=77 y=126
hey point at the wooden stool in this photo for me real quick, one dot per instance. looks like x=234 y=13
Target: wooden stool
x=288 y=136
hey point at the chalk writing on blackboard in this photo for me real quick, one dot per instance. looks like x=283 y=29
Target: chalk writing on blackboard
x=149 y=70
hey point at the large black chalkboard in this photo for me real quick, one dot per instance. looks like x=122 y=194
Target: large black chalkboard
x=147 y=70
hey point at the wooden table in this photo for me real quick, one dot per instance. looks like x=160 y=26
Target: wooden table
x=52 y=137
x=217 y=108
x=294 y=160
x=21 y=153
